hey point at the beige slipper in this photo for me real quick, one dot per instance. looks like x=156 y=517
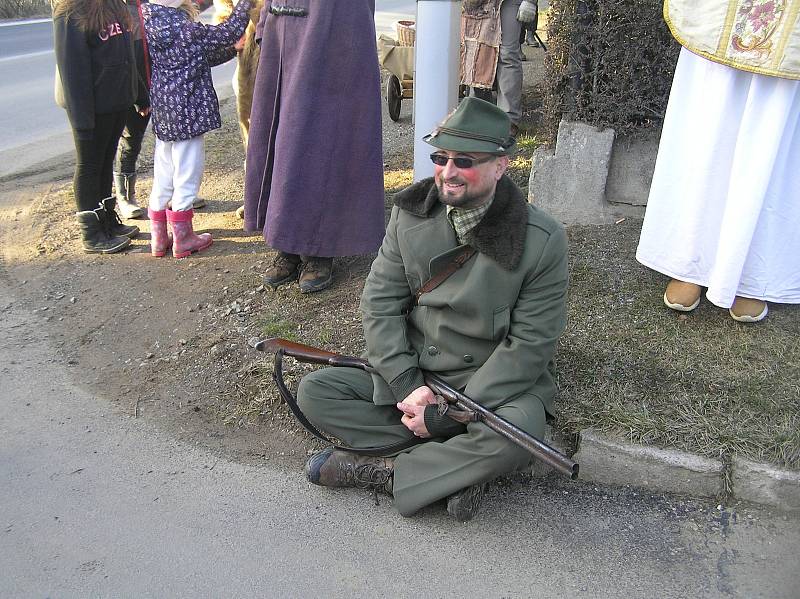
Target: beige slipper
x=682 y=296
x=745 y=309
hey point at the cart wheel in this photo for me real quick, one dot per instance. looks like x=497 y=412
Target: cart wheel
x=394 y=96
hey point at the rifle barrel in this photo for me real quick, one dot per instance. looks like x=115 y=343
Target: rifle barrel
x=539 y=449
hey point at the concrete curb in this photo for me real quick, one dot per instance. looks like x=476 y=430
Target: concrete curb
x=614 y=461
x=762 y=483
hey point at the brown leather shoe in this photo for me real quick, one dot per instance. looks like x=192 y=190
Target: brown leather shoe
x=464 y=505
x=316 y=275
x=285 y=268
x=745 y=309
x=682 y=296
x=334 y=468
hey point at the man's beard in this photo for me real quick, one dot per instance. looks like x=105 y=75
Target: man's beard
x=465 y=200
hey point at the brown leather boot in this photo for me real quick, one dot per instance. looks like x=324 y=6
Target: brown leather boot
x=682 y=296
x=284 y=269
x=317 y=274
x=334 y=468
x=745 y=309
x=464 y=505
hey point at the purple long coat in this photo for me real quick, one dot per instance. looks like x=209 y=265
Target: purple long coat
x=314 y=177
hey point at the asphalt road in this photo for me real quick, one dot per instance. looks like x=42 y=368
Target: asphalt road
x=96 y=503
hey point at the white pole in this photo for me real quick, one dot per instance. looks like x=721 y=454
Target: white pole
x=436 y=58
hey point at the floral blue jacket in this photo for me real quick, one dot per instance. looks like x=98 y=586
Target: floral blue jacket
x=182 y=52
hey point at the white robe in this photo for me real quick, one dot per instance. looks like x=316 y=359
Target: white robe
x=724 y=205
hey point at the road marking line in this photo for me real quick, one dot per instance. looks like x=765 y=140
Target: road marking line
x=29 y=55
x=26 y=22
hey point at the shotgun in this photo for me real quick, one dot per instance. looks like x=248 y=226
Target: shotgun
x=462 y=403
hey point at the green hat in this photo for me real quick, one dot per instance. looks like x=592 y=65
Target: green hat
x=475 y=126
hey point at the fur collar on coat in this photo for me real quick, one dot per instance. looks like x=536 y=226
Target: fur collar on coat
x=502 y=231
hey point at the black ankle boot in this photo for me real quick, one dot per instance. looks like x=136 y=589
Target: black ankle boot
x=115 y=225
x=94 y=231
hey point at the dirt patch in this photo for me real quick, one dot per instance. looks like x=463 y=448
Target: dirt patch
x=166 y=340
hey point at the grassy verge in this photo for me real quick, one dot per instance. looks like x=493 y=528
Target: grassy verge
x=697 y=381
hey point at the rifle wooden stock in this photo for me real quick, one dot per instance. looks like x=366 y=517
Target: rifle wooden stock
x=540 y=450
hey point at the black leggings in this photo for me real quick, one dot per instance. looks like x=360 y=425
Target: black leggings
x=130 y=144
x=95 y=160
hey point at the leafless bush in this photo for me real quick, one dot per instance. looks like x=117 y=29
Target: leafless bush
x=16 y=9
x=610 y=63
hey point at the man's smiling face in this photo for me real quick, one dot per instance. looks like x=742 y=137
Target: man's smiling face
x=468 y=187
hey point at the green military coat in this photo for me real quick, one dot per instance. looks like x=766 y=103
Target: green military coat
x=491 y=328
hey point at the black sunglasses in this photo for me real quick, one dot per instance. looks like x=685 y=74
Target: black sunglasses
x=460 y=161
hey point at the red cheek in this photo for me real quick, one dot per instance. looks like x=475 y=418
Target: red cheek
x=469 y=175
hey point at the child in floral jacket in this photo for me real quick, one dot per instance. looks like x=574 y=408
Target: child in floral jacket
x=184 y=108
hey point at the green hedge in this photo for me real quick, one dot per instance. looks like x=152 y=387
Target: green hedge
x=610 y=63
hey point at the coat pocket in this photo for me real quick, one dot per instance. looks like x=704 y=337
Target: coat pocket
x=501 y=322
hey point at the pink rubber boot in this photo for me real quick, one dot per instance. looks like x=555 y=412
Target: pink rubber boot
x=160 y=239
x=184 y=239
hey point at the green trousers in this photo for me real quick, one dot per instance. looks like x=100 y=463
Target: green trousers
x=339 y=402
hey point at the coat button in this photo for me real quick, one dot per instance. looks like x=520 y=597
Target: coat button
x=468 y=359
x=433 y=350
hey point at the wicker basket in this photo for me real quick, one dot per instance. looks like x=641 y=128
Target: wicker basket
x=406 y=32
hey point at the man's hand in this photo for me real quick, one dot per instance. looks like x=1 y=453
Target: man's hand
x=527 y=12
x=413 y=408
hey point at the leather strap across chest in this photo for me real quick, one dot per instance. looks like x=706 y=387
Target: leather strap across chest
x=456 y=263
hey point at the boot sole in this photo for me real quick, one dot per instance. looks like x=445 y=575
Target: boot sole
x=309 y=288
x=190 y=252
x=132 y=215
x=160 y=253
x=114 y=250
x=283 y=281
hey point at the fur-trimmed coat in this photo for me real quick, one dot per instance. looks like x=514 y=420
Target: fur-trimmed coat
x=492 y=326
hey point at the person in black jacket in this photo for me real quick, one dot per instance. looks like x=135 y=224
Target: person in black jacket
x=136 y=121
x=96 y=82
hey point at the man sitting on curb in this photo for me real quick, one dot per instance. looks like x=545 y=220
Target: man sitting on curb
x=490 y=328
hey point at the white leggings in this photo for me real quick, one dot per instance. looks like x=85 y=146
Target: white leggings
x=177 y=173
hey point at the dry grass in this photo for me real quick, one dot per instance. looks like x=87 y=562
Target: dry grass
x=698 y=381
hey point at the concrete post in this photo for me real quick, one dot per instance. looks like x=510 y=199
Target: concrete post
x=436 y=58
